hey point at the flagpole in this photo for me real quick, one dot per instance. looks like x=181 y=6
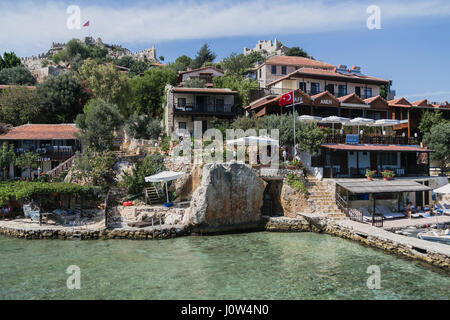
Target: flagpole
x=293 y=116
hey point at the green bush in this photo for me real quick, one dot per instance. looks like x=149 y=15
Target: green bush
x=152 y=164
x=294 y=182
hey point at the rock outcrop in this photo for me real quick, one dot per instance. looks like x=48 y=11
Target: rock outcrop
x=230 y=197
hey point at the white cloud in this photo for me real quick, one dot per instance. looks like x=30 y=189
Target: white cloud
x=31 y=27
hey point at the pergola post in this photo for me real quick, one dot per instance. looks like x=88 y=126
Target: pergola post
x=373 y=211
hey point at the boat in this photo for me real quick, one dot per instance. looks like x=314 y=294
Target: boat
x=435 y=235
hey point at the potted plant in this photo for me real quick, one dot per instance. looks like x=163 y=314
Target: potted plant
x=387 y=174
x=370 y=174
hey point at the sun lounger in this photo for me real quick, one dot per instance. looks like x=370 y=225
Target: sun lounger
x=367 y=217
x=388 y=214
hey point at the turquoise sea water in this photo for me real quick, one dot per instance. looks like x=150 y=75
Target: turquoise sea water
x=242 y=266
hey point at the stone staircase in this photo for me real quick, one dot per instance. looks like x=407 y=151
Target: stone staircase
x=321 y=201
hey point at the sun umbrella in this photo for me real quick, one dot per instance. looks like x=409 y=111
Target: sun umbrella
x=309 y=119
x=335 y=119
x=385 y=123
x=359 y=122
x=444 y=190
x=164 y=176
x=252 y=140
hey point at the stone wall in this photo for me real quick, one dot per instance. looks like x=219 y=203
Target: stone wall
x=104 y=234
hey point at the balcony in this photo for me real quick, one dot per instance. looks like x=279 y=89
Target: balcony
x=194 y=108
x=367 y=139
x=51 y=152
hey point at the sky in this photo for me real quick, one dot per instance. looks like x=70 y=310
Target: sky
x=411 y=47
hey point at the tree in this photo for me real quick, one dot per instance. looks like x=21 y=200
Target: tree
x=236 y=64
x=244 y=123
x=239 y=84
x=438 y=139
x=429 y=119
x=18 y=75
x=94 y=168
x=296 y=51
x=19 y=106
x=98 y=123
x=194 y=83
x=204 y=55
x=255 y=57
x=75 y=48
x=28 y=160
x=62 y=97
x=7 y=156
x=152 y=164
x=309 y=138
x=136 y=66
x=143 y=127
x=106 y=83
x=10 y=60
x=147 y=92
x=284 y=123
x=181 y=63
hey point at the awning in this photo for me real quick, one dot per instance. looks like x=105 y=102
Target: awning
x=164 y=176
x=444 y=190
x=375 y=147
x=359 y=186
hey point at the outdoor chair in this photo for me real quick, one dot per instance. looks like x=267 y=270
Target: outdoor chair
x=388 y=214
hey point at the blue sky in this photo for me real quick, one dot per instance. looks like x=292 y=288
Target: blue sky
x=411 y=48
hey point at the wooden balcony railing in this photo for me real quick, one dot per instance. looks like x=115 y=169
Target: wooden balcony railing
x=190 y=108
x=367 y=139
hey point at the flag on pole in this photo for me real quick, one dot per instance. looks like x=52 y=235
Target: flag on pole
x=286 y=98
x=86 y=24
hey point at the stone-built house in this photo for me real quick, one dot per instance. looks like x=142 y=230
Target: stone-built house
x=206 y=73
x=186 y=105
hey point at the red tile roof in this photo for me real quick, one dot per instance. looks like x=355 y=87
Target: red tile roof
x=374 y=147
x=298 y=62
x=199 y=69
x=41 y=132
x=372 y=99
x=351 y=97
x=203 y=90
x=399 y=102
x=305 y=72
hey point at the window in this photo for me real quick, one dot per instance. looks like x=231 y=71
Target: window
x=181 y=102
x=389 y=158
x=274 y=69
x=302 y=86
x=220 y=102
x=315 y=87
x=368 y=92
x=260 y=72
x=283 y=70
x=342 y=90
x=330 y=88
x=358 y=91
x=181 y=125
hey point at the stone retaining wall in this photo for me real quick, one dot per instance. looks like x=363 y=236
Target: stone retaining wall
x=142 y=234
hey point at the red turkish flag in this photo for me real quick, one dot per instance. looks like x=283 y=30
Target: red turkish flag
x=286 y=98
x=86 y=24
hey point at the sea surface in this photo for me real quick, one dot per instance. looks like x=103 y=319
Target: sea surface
x=258 y=265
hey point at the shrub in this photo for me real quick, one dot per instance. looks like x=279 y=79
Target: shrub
x=294 y=182
x=152 y=164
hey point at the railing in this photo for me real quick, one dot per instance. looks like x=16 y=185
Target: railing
x=61 y=168
x=53 y=152
x=262 y=92
x=366 y=139
x=355 y=215
x=204 y=108
x=342 y=203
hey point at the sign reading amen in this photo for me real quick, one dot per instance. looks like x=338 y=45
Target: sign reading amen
x=326 y=101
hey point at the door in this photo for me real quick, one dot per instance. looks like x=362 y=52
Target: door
x=204 y=126
x=200 y=102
